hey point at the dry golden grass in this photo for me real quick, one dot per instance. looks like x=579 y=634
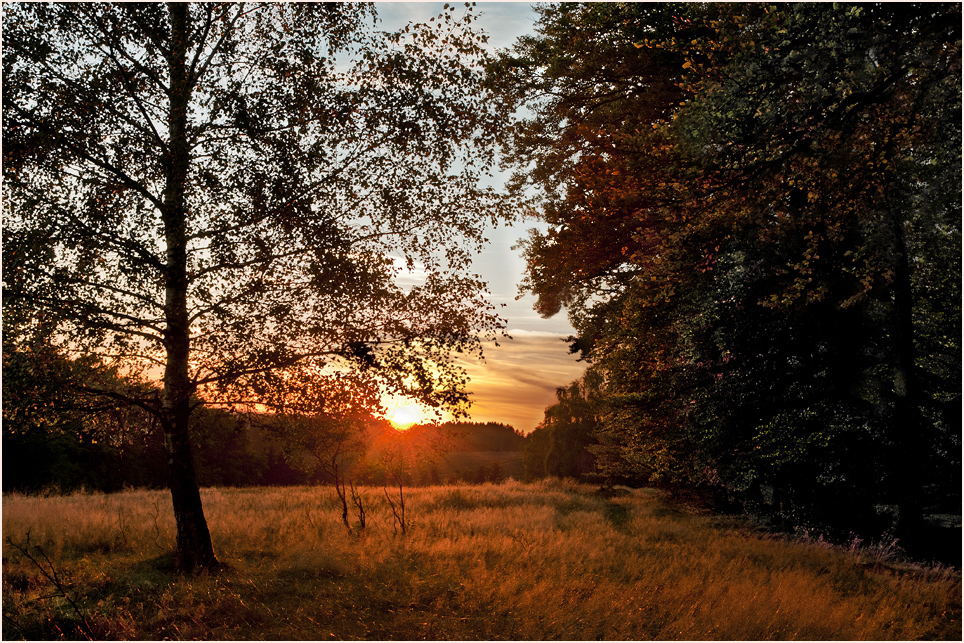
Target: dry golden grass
x=550 y=560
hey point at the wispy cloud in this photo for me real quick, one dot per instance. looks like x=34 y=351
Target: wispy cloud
x=519 y=378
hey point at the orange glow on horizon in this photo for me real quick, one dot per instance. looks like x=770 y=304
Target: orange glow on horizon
x=403 y=414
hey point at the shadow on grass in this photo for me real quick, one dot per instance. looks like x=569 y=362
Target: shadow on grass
x=617 y=515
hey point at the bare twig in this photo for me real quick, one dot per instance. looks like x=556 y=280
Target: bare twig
x=357 y=500
x=157 y=530
x=13 y=622
x=50 y=573
x=520 y=537
x=398 y=508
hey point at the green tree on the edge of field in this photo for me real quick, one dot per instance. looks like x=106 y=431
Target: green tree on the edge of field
x=758 y=241
x=570 y=425
x=227 y=194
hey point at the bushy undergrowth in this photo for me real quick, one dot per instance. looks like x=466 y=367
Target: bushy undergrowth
x=550 y=560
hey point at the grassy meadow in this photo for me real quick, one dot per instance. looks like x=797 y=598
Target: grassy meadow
x=549 y=560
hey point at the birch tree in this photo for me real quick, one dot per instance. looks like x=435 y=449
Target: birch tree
x=258 y=204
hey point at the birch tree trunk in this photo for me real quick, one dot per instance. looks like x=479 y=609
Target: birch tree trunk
x=194 y=547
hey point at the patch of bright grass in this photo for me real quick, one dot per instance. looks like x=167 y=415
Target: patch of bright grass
x=549 y=560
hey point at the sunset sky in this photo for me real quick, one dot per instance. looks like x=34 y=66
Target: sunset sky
x=519 y=378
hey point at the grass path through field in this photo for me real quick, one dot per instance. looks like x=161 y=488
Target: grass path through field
x=546 y=561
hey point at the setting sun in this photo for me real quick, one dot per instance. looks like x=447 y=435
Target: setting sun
x=405 y=416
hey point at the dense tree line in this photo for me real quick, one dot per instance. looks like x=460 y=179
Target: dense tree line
x=753 y=220
x=476 y=436
x=56 y=438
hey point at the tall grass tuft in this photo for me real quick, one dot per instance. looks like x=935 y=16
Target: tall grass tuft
x=549 y=560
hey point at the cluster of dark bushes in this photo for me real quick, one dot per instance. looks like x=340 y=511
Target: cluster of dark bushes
x=227 y=453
